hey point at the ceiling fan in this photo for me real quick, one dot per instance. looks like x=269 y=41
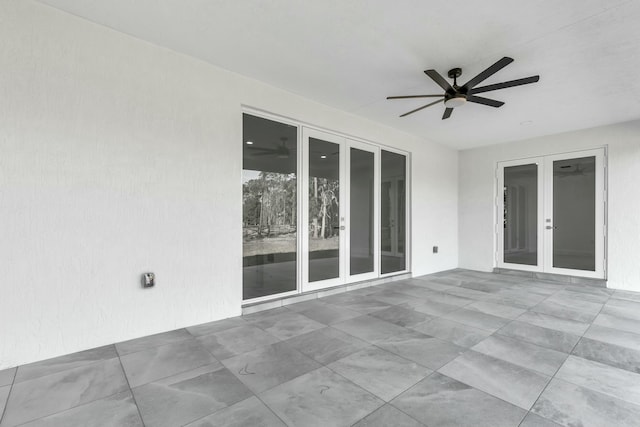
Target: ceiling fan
x=456 y=96
x=281 y=151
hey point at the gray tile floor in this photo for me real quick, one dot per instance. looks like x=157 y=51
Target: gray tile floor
x=460 y=348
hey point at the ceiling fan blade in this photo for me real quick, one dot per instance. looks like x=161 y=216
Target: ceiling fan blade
x=484 y=101
x=447 y=113
x=421 y=108
x=488 y=72
x=413 y=96
x=436 y=77
x=511 y=83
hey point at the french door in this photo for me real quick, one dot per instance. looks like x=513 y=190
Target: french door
x=339 y=199
x=318 y=209
x=551 y=214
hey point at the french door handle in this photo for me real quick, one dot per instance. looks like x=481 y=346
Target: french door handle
x=550 y=227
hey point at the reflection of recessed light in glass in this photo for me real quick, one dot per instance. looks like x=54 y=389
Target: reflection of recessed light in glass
x=323 y=157
x=249 y=142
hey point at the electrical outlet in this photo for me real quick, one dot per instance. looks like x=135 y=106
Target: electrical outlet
x=435 y=249
x=148 y=280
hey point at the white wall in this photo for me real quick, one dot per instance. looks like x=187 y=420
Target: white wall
x=477 y=189
x=119 y=157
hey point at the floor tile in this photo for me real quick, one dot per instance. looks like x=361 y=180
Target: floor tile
x=269 y=366
x=616 y=322
x=433 y=285
x=328 y=314
x=4 y=394
x=60 y=391
x=614 y=336
x=118 y=410
x=566 y=311
x=186 y=397
x=448 y=330
x=320 y=398
x=359 y=303
x=571 y=405
x=401 y=316
x=449 y=299
x=494 y=309
x=286 y=324
x=326 y=345
x=423 y=349
x=159 y=362
x=7 y=376
x=250 y=412
x=622 y=308
x=382 y=373
x=516 y=298
x=388 y=416
x=533 y=420
x=477 y=319
x=63 y=363
x=391 y=297
x=441 y=401
x=214 y=327
x=512 y=383
x=569 y=294
x=431 y=308
x=626 y=295
x=549 y=338
x=486 y=286
x=610 y=354
x=555 y=323
x=463 y=292
x=306 y=305
x=369 y=328
x=144 y=343
x=602 y=378
x=234 y=341
x=522 y=353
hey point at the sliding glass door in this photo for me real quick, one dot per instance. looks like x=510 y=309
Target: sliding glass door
x=552 y=214
x=319 y=209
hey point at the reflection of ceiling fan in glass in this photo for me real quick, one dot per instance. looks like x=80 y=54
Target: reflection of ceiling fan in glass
x=280 y=151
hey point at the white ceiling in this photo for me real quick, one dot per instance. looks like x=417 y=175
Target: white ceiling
x=352 y=54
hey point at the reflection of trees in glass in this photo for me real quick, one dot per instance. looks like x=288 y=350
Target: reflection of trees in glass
x=269 y=205
x=323 y=207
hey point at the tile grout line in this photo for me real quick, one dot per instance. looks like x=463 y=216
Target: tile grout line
x=6 y=403
x=133 y=396
x=565 y=361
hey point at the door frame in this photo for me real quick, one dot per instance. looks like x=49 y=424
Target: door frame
x=600 y=217
x=545 y=211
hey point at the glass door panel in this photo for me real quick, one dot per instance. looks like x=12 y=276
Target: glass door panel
x=520 y=214
x=269 y=206
x=393 y=170
x=574 y=220
x=361 y=210
x=324 y=210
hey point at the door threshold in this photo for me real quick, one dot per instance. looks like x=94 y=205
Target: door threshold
x=551 y=277
x=320 y=293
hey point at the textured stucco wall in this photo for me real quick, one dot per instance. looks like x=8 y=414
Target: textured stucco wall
x=119 y=157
